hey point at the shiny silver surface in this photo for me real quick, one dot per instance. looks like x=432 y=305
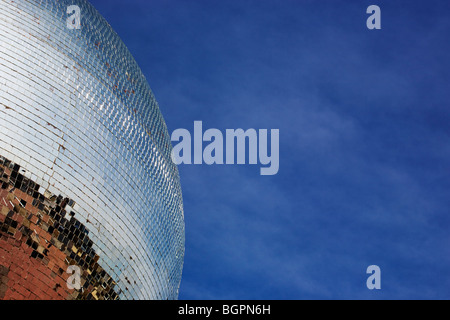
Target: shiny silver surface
x=77 y=114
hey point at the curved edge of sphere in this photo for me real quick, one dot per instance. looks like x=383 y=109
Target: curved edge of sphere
x=80 y=125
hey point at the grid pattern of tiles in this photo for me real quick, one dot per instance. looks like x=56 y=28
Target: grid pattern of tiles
x=78 y=116
x=38 y=244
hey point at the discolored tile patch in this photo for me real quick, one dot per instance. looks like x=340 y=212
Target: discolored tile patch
x=39 y=238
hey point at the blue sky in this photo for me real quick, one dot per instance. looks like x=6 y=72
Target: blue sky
x=364 y=142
